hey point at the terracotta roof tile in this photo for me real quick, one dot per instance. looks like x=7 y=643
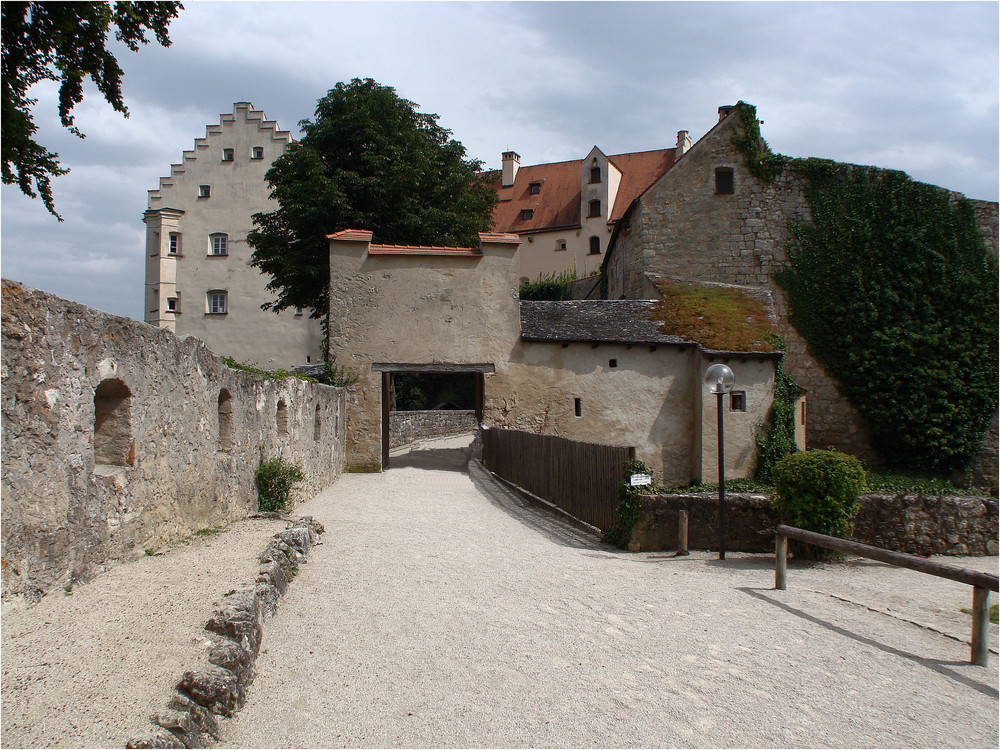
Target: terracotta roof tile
x=423 y=250
x=351 y=235
x=499 y=238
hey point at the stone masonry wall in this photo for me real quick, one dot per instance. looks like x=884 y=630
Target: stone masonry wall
x=173 y=449
x=916 y=524
x=683 y=229
x=407 y=427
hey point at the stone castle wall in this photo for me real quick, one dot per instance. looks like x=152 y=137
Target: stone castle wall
x=120 y=438
x=407 y=427
x=683 y=229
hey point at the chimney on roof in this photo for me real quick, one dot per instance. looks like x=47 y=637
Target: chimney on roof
x=725 y=110
x=510 y=163
x=683 y=143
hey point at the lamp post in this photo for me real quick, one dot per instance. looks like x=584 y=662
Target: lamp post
x=719 y=379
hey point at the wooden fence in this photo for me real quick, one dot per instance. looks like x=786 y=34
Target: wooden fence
x=580 y=478
x=982 y=583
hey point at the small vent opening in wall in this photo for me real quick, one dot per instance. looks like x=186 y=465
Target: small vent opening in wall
x=578 y=407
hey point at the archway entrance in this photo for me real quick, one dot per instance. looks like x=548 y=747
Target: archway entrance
x=389 y=369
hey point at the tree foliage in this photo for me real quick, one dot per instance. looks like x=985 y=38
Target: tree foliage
x=370 y=161
x=892 y=286
x=66 y=42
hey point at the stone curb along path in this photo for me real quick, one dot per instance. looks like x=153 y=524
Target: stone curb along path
x=236 y=630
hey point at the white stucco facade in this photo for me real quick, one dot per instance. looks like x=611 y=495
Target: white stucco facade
x=199 y=280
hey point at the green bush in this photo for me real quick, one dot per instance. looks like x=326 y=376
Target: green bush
x=275 y=479
x=818 y=491
x=628 y=512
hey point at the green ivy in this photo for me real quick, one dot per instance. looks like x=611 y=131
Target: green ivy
x=776 y=438
x=891 y=285
x=629 y=512
x=260 y=374
x=760 y=161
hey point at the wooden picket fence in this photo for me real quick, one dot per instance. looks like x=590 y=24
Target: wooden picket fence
x=580 y=478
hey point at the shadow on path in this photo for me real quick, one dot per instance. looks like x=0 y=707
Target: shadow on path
x=433 y=459
x=938 y=666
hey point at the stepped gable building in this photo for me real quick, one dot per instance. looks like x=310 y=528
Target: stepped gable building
x=565 y=211
x=198 y=278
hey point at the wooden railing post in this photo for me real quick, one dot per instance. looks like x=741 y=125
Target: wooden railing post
x=780 y=561
x=682 y=533
x=980 y=626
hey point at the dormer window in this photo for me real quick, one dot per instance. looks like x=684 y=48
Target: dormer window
x=595 y=209
x=595 y=174
x=534 y=188
x=724 y=181
x=228 y=154
x=527 y=214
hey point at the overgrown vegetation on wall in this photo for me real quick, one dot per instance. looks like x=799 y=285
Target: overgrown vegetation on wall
x=260 y=374
x=628 y=513
x=776 y=438
x=891 y=285
x=275 y=479
x=548 y=287
x=716 y=317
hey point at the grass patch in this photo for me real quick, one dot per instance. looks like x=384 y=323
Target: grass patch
x=715 y=317
x=994 y=613
x=207 y=532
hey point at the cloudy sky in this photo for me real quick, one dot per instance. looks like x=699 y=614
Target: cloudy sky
x=911 y=86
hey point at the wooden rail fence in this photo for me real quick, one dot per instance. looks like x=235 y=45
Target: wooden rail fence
x=580 y=478
x=982 y=583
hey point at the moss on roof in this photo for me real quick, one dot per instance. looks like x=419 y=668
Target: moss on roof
x=719 y=318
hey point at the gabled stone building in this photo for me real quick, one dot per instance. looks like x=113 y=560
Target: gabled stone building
x=198 y=278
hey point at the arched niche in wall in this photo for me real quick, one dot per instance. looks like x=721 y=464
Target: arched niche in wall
x=281 y=417
x=225 y=420
x=317 y=425
x=113 y=444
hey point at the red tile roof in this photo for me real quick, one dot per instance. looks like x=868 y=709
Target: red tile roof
x=557 y=204
x=422 y=250
x=351 y=235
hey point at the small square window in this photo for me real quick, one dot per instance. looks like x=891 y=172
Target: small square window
x=172 y=304
x=258 y=152
x=561 y=245
x=527 y=214
x=217 y=303
x=220 y=244
x=612 y=363
x=204 y=191
x=534 y=188
x=724 y=183
x=228 y=154
x=737 y=401
x=298 y=312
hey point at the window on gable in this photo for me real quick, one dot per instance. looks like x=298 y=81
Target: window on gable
x=527 y=214
x=723 y=180
x=218 y=302
x=228 y=154
x=595 y=174
x=595 y=246
x=220 y=244
x=534 y=188
x=595 y=209
x=175 y=244
x=258 y=152
x=204 y=191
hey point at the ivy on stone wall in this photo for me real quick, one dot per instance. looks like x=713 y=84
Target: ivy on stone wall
x=776 y=438
x=892 y=287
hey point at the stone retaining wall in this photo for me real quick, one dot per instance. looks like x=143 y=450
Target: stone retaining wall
x=406 y=427
x=916 y=524
x=120 y=438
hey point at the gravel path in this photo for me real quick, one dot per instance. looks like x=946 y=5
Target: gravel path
x=442 y=612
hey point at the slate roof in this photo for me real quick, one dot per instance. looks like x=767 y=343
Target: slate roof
x=557 y=204
x=603 y=322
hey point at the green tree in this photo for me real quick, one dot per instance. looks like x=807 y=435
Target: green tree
x=368 y=161
x=66 y=42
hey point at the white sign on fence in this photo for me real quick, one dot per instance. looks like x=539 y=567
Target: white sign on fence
x=639 y=479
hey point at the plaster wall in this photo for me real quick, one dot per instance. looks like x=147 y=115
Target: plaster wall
x=66 y=513
x=404 y=308
x=237 y=191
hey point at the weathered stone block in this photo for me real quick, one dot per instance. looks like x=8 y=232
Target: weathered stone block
x=220 y=691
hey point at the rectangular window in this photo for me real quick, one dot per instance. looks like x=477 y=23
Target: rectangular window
x=227 y=154
x=595 y=246
x=175 y=244
x=595 y=209
x=724 y=181
x=561 y=245
x=595 y=174
x=204 y=191
x=258 y=152
x=220 y=244
x=578 y=407
x=172 y=305
x=527 y=214
x=217 y=303
x=737 y=401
